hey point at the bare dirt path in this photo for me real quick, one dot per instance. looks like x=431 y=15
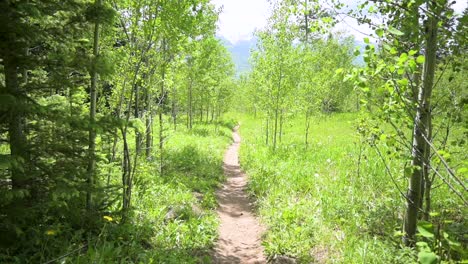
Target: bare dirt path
x=239 y=232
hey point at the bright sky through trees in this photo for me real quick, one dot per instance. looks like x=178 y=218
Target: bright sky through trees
x=240 y=18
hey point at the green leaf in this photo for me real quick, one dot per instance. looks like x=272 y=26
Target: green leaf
x=395 y=31
x=379 y=32
x=366 y=40
x=403 y=82
x=434 y=214
x=462 y=170
x=357 y=52
x=422 y=245
x=425 y=229
x=421 y=59
x=427 y=257
x=403 y=57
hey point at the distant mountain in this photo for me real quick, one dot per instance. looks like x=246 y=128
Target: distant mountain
x=240 y=52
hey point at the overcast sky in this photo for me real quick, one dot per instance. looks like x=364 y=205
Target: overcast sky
x=240 y=18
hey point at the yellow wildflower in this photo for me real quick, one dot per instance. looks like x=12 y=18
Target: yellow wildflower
x=50 y=232
x=108 y=218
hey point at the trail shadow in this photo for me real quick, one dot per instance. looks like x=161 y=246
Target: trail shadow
x=215 y=129
x=182 y=255
x=200 y=131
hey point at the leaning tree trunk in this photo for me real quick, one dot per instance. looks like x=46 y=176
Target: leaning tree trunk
x=92 y=117
x=420 y=150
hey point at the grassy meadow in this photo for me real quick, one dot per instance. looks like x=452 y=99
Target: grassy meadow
x=332 y=201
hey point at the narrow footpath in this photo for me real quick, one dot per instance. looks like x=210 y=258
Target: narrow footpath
x=239 y=231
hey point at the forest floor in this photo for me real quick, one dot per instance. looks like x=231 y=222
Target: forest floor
x=239 y=231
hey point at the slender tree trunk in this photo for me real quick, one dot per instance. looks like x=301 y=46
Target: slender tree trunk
x=126 y=176
x=137 y=115
x=161 y=124
x=91 y=171
x=275 y=131
x=174 y=108
x=415 y=92
x=281 y=126
x=190 y=116
x=307 y=128
x=420 y=147
x=201 y=110
x=17 y=138
x=149 y=125
x=426 y=170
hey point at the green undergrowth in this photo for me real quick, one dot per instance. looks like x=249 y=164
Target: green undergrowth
x=331 y=201
x=172 y=218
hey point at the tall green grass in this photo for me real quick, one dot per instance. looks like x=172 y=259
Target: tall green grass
x=316 y=203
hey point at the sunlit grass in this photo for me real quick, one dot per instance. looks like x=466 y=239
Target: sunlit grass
x=314 y=201
x=172 y=218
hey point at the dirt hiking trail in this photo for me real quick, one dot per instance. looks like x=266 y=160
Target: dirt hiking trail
x=239 y=231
